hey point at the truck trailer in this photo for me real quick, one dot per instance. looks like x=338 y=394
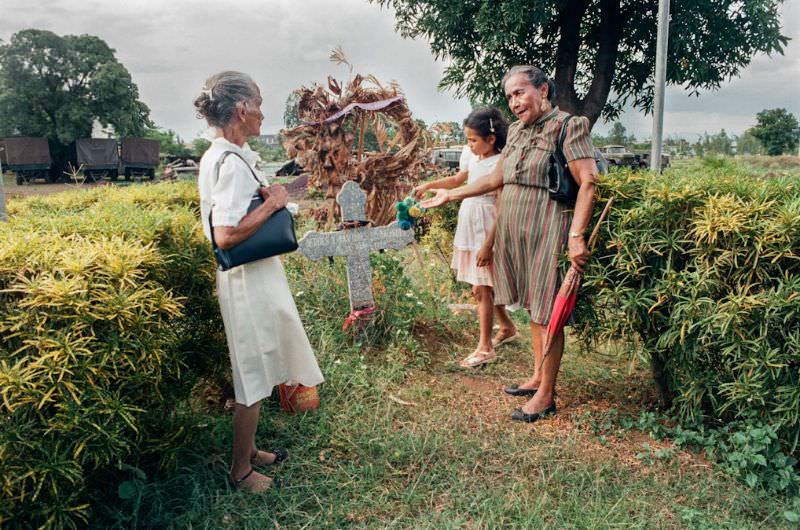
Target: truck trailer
x=140 y=157
x=28 y=157
x=96 y=158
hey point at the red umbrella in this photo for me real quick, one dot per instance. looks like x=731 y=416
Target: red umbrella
x=568 y=293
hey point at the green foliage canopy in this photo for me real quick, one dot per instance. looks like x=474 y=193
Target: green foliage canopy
x=720 y=144
x=748 y=144
x=602 y=51
x=56 y=87
x=200 y=146
x=171 y=142
x=777 y=130
x=617 y=134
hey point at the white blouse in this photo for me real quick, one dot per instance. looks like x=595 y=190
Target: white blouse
x=231 y=194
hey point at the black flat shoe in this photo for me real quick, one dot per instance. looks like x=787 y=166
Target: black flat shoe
x=519 y=415
x=515 y=390
x=281 y=455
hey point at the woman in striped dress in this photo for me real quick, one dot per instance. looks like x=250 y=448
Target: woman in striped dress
x=533 y=230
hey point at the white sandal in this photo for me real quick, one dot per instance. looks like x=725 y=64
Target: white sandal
x=510 y=338
x=478 y=358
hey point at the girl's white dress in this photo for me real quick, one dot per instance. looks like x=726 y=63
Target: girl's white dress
x=476 y=218
x=266 y=340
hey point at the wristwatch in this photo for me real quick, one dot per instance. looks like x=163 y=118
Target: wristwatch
x=576 y=234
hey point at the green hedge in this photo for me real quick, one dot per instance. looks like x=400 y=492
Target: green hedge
x=699 y=269
x=107 y=319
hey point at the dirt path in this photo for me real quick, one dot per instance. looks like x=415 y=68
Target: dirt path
x=593 y=391
x=13 y=190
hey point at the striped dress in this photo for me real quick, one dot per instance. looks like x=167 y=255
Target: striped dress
x=532 y=229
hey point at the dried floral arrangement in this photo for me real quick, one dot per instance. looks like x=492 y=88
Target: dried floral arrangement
x=329 y=143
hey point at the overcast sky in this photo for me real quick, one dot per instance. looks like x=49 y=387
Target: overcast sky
x=171 y=46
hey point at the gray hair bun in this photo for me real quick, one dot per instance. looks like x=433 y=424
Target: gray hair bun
x=221 y=95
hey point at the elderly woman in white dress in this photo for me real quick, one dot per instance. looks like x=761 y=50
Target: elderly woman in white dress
x=268 y=345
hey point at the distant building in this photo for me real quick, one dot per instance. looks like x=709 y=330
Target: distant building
x=270 y=140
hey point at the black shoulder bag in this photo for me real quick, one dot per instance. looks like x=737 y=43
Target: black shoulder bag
x=561 y=184
x=276 y=236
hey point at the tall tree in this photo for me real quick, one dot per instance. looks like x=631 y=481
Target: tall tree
x=748 y=144
x=777 y=130
x=56 y=87
x=602 y=52
x=617 y=134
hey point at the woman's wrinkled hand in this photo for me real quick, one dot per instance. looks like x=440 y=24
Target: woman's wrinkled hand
x=578 y=252
x=419 y=191
x=484 y=257
x=441 y=197
x=276 y=195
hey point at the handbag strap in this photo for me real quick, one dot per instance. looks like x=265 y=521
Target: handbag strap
x=562 y=135
x=217 y=167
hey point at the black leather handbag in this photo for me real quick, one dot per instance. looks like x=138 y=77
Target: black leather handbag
x=276 y=236
x=561 y=184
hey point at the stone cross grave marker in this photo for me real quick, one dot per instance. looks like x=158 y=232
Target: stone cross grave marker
x=355 y=244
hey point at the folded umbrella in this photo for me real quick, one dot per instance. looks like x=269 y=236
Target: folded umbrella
x=568 y=293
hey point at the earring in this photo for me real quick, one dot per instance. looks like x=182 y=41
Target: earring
x=543 y=106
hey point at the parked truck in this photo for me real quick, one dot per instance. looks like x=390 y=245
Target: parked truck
x=619 y=156
x=447 y=157
x=644 y=159
x=139 y=157
x=96 y=158
x=28 y=157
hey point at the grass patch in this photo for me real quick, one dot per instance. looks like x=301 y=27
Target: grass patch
x=453 y=460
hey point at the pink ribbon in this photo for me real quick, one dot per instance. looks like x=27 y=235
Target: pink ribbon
x=375 y=105
x=355 y=315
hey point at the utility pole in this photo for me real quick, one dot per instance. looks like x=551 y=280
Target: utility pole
x=662 y=38
x=3 y=216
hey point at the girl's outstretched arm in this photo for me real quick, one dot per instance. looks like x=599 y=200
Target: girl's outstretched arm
x=483 y=185
x=449 y=183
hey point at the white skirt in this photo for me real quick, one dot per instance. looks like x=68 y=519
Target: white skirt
x=267 y=343
x=465 y=262
x=476 y=218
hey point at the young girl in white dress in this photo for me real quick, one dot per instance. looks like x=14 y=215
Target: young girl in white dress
x=485 y=130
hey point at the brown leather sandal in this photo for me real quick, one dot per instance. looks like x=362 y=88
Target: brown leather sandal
x=238 y=484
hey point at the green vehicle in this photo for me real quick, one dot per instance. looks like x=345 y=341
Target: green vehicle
x=29 y=158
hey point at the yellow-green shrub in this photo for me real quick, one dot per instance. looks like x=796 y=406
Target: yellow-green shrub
x=107 y=318
x=700 y=269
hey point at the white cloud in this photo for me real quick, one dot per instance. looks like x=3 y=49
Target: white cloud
x=171 y=46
